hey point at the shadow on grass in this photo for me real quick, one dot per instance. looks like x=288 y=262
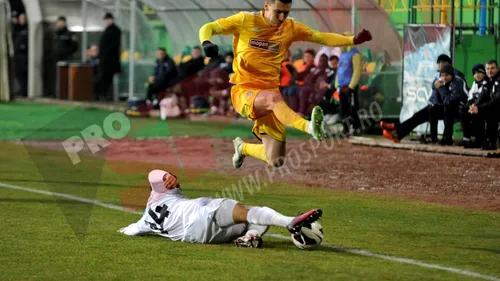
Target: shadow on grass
x=493 y=251
x=282 y=246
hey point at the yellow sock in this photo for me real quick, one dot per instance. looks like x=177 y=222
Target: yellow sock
x=254 y=150
x=289 y=117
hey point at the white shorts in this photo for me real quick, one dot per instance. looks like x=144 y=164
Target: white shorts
x=214 y=223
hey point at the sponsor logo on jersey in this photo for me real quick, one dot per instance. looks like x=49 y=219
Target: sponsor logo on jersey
x=265 y=45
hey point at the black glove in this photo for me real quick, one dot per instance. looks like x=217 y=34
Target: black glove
x=211 y=50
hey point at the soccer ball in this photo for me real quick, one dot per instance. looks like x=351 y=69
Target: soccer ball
x=310 y=236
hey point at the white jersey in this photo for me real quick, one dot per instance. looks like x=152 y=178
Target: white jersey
x=180 y=218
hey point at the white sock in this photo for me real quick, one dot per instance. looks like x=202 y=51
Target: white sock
x=310 y=127
x=267 y=216
x=255 y=229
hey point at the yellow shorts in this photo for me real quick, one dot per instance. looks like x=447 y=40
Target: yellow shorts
x=243 y=98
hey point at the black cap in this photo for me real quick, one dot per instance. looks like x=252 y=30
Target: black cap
x=478 y=68
x=63 y=18
x=444 y=58
x=108 y=16
x=448 y=69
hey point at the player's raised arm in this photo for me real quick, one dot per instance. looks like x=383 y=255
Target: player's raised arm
x=303 y=32
x=225 y=26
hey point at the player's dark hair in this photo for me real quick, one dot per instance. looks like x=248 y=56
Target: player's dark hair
x=334 y=57
x=443 y=58
x=282 y=1
x=490 y=62
x=162 y=49
x=197 y=47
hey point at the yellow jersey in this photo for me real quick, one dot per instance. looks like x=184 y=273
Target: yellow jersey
x=259 y=48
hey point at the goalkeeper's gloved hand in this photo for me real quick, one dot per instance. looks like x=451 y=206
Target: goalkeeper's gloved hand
x=362 y=37
x=211 y=50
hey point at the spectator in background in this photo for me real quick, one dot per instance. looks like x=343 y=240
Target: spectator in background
x=489 y=111
x=194 y=65
x=65 y=43
x=304 y=69
x=327 y=103
x=109 y=56
x=314 y=87
x=472 y=124
x=444 y=103
x=21 y=55
x=347 y=80
x=165 y=73
x=442 y=60
x=64 y=46
x=93 y=60
x=287 y=82
x=227 y=65
x=93 y=55
x=451 y=92
x=333 y=66
x=14 y=24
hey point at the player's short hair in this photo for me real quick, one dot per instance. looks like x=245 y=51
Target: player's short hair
x=443 y=58
x=334 y=57
x=490 y=62
x=282 y=1
x=197 y=47
x=162 y=49
x=310 y=51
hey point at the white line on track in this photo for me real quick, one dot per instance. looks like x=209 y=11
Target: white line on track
x=279 y=236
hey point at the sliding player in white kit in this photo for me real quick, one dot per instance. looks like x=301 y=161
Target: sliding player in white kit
x=207 y=220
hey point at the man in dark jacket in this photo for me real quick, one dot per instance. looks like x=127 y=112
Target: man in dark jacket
x=449 y=95
x=489 y=111
x=194 y=65
x=449 y=92
x=65 y=44
x=472 y=124
x=109 y=56
x=21 y=55
x=165 y=73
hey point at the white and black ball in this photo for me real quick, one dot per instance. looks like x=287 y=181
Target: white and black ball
x=309 y=237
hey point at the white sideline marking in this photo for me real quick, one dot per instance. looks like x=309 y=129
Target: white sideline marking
x=279 y=236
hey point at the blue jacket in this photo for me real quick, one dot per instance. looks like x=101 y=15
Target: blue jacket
x=345 y=69
x=454 y=92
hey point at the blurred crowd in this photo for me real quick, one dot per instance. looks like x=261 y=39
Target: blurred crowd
x=193 y=84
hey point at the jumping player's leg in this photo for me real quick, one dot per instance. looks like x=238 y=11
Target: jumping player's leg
x=269 y=101
x=270 y=114
x=270 y=151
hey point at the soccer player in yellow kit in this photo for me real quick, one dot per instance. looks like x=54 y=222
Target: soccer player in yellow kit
x=260 y=43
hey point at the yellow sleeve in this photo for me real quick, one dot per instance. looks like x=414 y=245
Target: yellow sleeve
x=226 y=26
x=356 y=71
x=302 y=32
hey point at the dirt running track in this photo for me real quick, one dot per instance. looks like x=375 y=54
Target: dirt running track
x=471 y=182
